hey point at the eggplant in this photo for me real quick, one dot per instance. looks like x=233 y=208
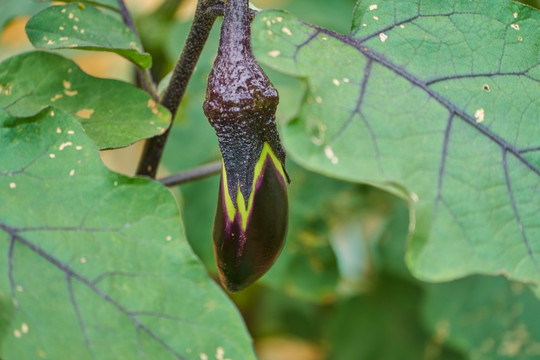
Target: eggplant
x=251 y=217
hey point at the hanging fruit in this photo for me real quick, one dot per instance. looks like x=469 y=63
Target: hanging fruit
x=252 y=209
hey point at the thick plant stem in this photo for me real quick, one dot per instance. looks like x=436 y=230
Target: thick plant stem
x=203 y=21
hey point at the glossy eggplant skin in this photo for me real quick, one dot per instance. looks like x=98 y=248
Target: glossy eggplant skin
x=252 y=212
x=248 y=241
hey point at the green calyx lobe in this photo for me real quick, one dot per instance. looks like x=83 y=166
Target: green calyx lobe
x=240 y=105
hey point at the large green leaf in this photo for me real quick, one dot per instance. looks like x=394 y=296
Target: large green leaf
x=484 y=317
x=437 y=102
x=490 y=318
x=77 y=26
x=95 y=265
x=113 y=113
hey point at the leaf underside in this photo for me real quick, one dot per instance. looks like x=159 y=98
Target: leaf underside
x=107 y=252
x=437 y=102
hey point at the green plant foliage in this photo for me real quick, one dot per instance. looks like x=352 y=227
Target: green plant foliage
x=484 y=317
x=385 y=326
x=488 y=317
x=420 y=102
x=96 y=264
x=113 y=113
x=77 y=26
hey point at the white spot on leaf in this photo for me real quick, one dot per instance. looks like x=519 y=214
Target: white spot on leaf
x=17 y=333
x=375 y=18
x=220 y=353
x=52 y=156
x=346 y=80
x=372 y=7
x=58 y=130
x=336 y=82
x=330 y=155
x=274 y=53
x=71 y=132
x=24 y=328
x=414 y=197
x=78 y=147
x=479 y=115
x=383 y=37
x=318 y=99
x=279 y=19
x=515 y=15
x=12 y=185
x=515 y=26
x=168 y=238
x=72 y=172
x=286 y=31
x=203 y=356
x=64 y=145
x=83 y=260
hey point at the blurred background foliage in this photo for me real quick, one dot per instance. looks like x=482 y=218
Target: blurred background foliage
x=340 y=289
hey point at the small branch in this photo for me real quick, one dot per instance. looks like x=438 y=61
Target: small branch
x=192 y=175
x=145 y=77
x=198 y=34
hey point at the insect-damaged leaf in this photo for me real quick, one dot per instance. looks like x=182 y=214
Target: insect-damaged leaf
x=77 y=26
x=436 y=102
x=113 y=113
x=95 y=264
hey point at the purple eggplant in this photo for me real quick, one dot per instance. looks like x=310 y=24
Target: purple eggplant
x=252 y=210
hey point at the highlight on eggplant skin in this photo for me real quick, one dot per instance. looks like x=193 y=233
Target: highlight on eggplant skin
x=249 y=238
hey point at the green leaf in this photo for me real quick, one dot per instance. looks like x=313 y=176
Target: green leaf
x=436 y=102
x=107 y=4
x=95 y=264
x=77 y=26
x=488 y=317
x=113 y=113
